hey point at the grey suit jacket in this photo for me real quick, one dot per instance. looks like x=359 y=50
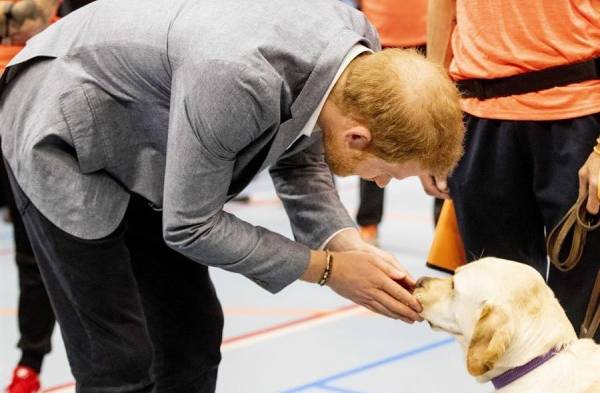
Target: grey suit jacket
x=182 y=102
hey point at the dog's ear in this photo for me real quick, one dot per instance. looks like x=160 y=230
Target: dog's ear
x=490 y=339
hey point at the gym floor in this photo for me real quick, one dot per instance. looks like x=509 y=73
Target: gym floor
x=306 y=338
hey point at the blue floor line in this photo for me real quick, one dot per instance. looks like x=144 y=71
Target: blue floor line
x=336 y=389
x=356 y=370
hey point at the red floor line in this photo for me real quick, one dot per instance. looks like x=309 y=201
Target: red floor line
x=59 y=387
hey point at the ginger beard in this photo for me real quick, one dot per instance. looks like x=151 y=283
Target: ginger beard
x=341 y=160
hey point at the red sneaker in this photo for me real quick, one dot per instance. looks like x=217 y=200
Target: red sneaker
x=25 y=380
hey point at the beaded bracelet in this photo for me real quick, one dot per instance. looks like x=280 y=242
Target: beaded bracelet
x=328 y=267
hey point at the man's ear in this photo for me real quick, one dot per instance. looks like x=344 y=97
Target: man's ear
x=357 y=137
x=490 y=340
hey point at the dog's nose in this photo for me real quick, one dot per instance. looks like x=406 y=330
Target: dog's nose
x=421 y=281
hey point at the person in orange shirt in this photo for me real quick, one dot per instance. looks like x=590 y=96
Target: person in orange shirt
x=400 y=24
x=529 y=74
x=19 y=20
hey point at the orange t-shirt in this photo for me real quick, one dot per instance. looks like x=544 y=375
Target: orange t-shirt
x=399 y=22
x=501 y=38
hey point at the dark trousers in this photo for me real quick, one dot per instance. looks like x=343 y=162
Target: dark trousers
x=513 y=185
x=35 y=315
x=370 y=209
x=135 y=315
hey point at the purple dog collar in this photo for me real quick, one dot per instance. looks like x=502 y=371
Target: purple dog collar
x=515 y=373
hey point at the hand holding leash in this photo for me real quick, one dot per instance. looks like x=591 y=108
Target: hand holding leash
x=573 y=228
x=589 y=179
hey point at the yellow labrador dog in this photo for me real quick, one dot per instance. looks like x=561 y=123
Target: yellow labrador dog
x=512 y=329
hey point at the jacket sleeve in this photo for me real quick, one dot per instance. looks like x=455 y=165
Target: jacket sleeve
x=211 y=120
x=304 y=183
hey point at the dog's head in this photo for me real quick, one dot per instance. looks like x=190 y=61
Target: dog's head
x=501 y=312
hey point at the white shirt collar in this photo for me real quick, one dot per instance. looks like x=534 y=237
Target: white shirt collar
x=311 y=124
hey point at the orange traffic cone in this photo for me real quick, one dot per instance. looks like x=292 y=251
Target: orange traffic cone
x=447 y=251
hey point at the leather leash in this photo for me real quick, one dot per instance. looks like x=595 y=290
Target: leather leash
x=576 y=223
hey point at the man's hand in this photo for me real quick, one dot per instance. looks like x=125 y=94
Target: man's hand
x=350 y=240
x=368 y=276
x=441 y=17
x=368 y=280
x=435 y=186
x=408 y=281
x=588 y=182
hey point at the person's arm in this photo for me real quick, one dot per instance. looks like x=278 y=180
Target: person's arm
x=217 y=109
x=304 y=184
x=23 y=19
x=441 y=20
x=211 y=121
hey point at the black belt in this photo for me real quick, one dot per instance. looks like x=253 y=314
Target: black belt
x=530 y=81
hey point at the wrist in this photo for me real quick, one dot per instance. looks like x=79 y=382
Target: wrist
x=347 y=240
x=316 y=266
x=328 y=268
